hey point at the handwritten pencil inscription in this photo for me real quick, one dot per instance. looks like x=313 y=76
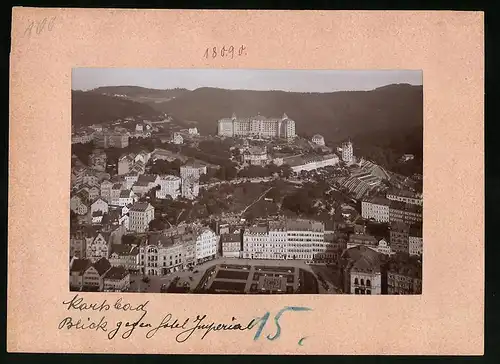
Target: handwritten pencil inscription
x=39 y=26
x=184 y=328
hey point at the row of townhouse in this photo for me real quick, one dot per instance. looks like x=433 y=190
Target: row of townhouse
x=385 y=210
x=157 y=254
x=100 y=275
x=368 y=272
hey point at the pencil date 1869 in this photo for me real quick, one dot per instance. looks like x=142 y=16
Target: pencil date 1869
x=225 y=52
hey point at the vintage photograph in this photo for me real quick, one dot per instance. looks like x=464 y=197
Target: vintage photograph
x=246 y=181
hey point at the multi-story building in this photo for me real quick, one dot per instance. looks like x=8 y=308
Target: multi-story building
x=99 y=205
x=230 y=245
x=140 y=215
x=77 y=243
x=206 y=244
x=76 y=270
x=318 y=140
x=165 y=254
x=405 y=212
x=93 y=277
x=98 y=246
x=93 y=191
x=399 y=237
x=290 y=239
x=384 y=248
x=127 y=197
x=362 y=239
x=376 y=208
x=190 y=187
x=90 y=178
x=362 y=271
x=405 y=196
x=194 y=169
x=347 y=152
x=415 y=240
x=116 y=279
x=305 y=239
x=177 y=138
x=125 y=255
x=169 y=185
x=106 y=186
x=111 y=140
x=406 y=279
x=145 y=183
x=79 y=203
x=256 y=156
x=257 y=126
x=97 y=160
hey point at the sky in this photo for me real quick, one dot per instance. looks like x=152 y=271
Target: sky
x=247 y=79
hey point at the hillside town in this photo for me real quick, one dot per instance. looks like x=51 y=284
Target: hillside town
x=254 y=208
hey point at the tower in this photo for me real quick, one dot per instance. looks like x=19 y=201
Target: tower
x=347 y=152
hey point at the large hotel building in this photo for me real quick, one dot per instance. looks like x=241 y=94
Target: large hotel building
x=257 y=126
x=290 y=239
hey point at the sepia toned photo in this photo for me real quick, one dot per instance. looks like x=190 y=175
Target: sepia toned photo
x=229 y=181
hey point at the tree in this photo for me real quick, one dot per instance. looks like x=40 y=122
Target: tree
x=156 y=225
x=285 y=171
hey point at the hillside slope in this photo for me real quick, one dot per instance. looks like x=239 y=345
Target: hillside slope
x=336 y=115
x=91 y=108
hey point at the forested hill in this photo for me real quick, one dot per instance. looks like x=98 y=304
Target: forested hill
x=91 y=108
x=132 y=92
x=335 y=115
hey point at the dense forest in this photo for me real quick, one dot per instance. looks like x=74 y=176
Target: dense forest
x=89 y=108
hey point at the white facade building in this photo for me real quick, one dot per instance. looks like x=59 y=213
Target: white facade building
x=257 y=126
x=291 y=239
x=347 y=152
x=140 y=215
x=255 y=156
x=318 y=140
x=376 y=208
x=206 y=244
x=169 y=185
x=193 y=170
x=415 y=243
x=177 y=138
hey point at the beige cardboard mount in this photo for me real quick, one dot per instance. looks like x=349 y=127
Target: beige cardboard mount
x=446 y=319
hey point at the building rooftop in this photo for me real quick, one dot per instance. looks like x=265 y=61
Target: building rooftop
x=116 y=273
x=304 y=225
x=147 y=178
x=230 y=238
x=140 y=206
x=80 y=265
x=102 y=266
x=379 y=200
x=403 y=193
x=363 y=259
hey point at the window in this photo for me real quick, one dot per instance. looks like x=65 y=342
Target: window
x=368 y=283
x=356 y=281
x=362 y=282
